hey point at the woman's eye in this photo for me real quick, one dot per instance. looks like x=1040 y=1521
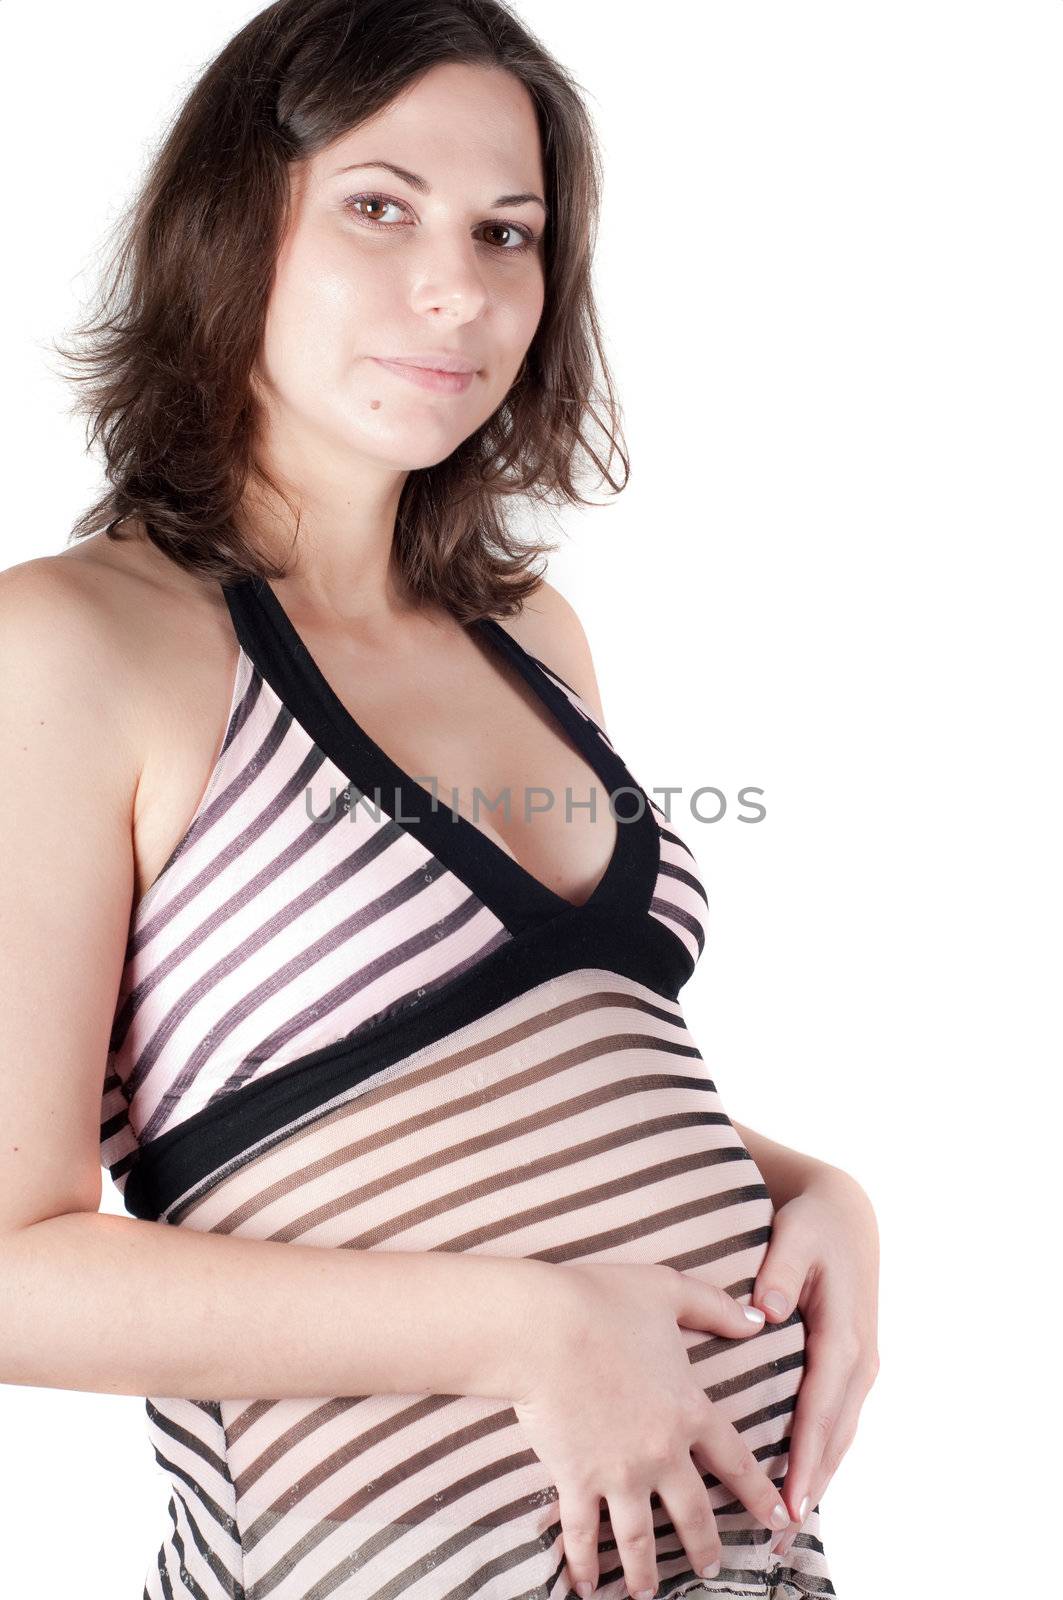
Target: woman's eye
x=368 y=208
x=354 y=201
x=522 y=237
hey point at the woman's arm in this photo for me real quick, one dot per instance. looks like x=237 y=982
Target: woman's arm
x=116 y=1304
x=788 y=1172
x=823 y=1253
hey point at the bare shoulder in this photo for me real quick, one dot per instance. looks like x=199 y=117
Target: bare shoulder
x=59 y=657
x=136 y=590
x=549 y=627
x=110 y=630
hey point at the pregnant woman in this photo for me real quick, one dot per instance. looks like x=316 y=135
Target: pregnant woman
x=445 y=1272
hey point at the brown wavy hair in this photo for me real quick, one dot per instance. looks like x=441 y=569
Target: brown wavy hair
x=169 y=347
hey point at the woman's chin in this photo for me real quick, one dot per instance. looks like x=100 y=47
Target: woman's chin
x=409 y=444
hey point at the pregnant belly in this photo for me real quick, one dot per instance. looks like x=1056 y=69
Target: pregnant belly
x=596 y=1136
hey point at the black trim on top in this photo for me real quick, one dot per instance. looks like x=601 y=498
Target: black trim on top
x=517 y=898
x=170 y=1166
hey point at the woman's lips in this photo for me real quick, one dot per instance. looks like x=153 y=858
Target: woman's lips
x=428 y=377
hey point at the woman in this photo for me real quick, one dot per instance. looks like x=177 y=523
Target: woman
x=345 y=999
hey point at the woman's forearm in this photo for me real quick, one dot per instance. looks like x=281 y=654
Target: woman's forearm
x=788 y=1172
x=114 y=1304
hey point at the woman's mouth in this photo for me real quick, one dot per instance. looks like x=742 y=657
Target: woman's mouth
x=430 y=378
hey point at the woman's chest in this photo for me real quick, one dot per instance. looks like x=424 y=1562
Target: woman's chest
x=468 y=730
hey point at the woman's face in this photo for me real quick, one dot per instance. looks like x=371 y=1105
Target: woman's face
x=446 y=260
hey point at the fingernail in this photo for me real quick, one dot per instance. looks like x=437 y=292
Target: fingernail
x=780 y=1517
x=645 y=1594
x=711 y=1572
x=585 y=1590
x=774 y=1301
x=802 y=1510
x=754 y=1313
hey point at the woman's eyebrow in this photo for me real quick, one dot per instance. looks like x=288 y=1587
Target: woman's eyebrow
x=424 y=187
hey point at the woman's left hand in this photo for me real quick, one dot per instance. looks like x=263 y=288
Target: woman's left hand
x=824 y=1258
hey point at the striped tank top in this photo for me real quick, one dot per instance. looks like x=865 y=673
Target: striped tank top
x=349 y=1018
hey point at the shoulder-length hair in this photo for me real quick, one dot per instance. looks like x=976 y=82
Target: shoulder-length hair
x=170 y=346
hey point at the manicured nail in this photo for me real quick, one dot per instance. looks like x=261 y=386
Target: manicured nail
x=774 y=1301
x=780 y=1517
x=802 y=1510
x=711 y=1572
x=755 y=1314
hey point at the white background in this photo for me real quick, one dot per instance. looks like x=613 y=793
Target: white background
x=829 y=273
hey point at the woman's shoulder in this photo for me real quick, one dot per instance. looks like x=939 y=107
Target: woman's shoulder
x=124 y=592
x=111 y=623
x=549 y=627
x=124 y=597
x=64 y=628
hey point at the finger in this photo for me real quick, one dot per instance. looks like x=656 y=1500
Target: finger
x=833 y=1451
x=821 y=1397
x=720 y=1445
x=631 y=1515
x=580 y=1511
x=687 y=1502
x=709 y=1308
x=787 y=1539
x=779 y=1282
x=793 y=1533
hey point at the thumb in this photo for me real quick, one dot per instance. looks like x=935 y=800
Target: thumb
x=779 y=1281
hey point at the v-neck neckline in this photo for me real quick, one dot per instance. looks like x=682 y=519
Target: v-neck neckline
x=521 y=900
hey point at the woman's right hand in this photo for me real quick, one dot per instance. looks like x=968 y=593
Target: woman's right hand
x=612 y=1409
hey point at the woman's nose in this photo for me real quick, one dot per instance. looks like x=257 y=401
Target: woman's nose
x=449 y=281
